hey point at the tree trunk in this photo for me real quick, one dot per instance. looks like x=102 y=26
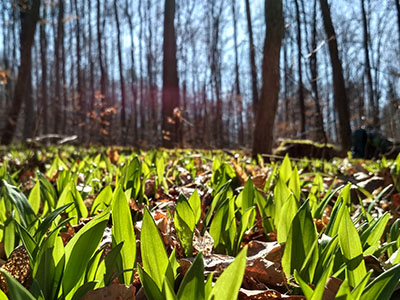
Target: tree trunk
x=237 y=82
x=252 y=53
x=134 y=115
x=397 y=3
x=373 y=113
x=299 y=66
x=102 y=74
x=43 y=59
x=265 y=118
x=121 y=70
x=29 y=19
x=170 y=92
x=80 y=112
x=314 y=75
x=341 y=101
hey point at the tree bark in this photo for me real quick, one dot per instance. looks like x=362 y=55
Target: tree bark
x=373 y=113
x=299 y=66
x=252 y=54
x=29 y=19
x=397 y=3
x=237 y=79
x=263 y=131
x=170 y=92
x=341 y=101
x=121 y=70
x=43 y=59
x=314 y=75
x=102 y=74
x=133 y=74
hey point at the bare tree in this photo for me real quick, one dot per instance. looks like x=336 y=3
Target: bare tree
x=265 y=118
x=252 y=54
x=341 y=101
x=373 y=112
x=170 y=92
x=29 y=15
x=237 y=79
x=299 y=67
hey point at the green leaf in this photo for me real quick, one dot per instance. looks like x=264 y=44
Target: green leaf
x=294 y=183
x=80 y=249
x=110 y=262
x=228 y=284
x=192 y=286
x=344 y=292
x=122 y=231
x=154 y=258
x=208 y=286
x=47 y=191
x=22 y=204
x=288 y=212
x=151 y=289
x=247 y=219
x=320 y=288
x=83 y=289
x=9 y=236
x=34 y=198
x=184 y=220
x=245 y=199
x=350 y=245
x=48 y=221
x=168 y=290
x=3 y=296
x=357 y=291
x=103 y=200
x=174 y=263
x=370 y=238
x=307 y=290
x=281 y=195
x=17 y=291
x=300 y=241
x=195 y=204
x=28 y=241
x=285 y=171
x=382 y=287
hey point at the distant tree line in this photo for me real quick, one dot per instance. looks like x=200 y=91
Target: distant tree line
x=213 y=73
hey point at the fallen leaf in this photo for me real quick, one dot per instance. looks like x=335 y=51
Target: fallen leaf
x=112 y=292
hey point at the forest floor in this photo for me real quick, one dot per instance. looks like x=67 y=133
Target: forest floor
x=83 y=223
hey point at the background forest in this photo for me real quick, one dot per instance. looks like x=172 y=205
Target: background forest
x=96 y=69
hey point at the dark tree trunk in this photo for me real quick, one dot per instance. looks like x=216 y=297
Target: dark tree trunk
x=43 y=59
x=58 y=56
x=373 y=112
x=142 y=100
x=237 y=79
x=102 y=74
x=170 y=92
x=252 y=52
x=299 y=66
x=29 y=19
x=121 y=70
x=263 y=131
x=314 y=75
x=341 y=101
x=81 y=109
x=134 y=115
x=397 y=2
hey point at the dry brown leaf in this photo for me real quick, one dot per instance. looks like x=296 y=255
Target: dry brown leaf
x=265 y=295
x=242 y=176
x=203 y=243
x=112 y=292
x=331 y=288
